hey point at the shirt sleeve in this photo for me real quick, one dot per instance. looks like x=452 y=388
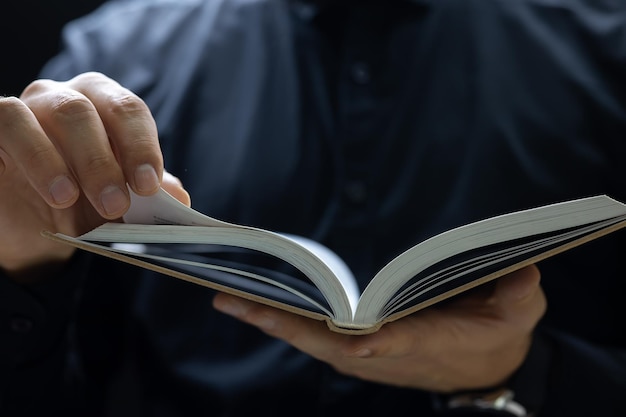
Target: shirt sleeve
x=565 y=375
x=36 y=364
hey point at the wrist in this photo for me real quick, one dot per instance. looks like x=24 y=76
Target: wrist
x=522 y=394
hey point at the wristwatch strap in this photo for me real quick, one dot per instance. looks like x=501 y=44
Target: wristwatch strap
x=500 y=400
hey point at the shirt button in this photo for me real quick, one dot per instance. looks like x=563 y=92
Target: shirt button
x=356 y=192
x=21 y=324
x=361 y=73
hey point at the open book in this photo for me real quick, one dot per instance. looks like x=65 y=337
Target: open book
x=302 y=276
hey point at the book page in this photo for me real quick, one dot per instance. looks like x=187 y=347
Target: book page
x=484 y=233
x=321 y=265
x=163 y=208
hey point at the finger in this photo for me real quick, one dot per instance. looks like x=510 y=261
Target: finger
x=174 y=186
x=24 y=143
x=73 y=125
x=308 y=335
x=519 y=296
x=130 y=127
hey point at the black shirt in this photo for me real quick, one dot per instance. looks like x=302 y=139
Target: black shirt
x=365 y=125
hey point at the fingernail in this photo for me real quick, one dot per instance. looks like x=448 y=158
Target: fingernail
x=114 y=200
x=146 y=178
x=62 y=190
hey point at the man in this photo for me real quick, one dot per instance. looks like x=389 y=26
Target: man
x=365 y=125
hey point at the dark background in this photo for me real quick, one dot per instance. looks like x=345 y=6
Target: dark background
x=29 y=35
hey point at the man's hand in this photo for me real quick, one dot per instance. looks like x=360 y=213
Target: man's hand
x=477 y=340
x=67 y=150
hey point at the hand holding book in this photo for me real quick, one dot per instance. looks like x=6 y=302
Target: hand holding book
x=470 y=342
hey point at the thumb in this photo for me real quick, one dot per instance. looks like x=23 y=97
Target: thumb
x=519 y=295
x=174 y=186
x=518 y=285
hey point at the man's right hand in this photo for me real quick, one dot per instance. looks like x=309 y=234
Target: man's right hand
x=67 y=151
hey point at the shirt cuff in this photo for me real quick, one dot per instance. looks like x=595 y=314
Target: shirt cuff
x=34 y=318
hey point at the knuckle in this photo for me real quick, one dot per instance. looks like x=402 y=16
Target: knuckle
x=87 y=81
x=39 y=156
x=71 y=106
x=127 y=104
x=134 y=149
x=9 y=102
x=94 y=165
x=37 y=87
x=11 y=108
x=89 y=77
